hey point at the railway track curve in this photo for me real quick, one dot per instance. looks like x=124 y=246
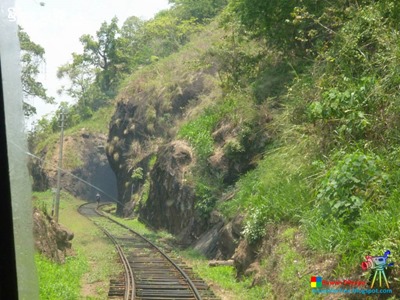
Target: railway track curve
x=149 y=272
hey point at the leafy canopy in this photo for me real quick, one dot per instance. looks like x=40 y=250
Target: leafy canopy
x=32 y=56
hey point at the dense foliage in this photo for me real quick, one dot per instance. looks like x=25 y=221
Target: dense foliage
x=32 y=56
x=323 y=73
x=344 y=97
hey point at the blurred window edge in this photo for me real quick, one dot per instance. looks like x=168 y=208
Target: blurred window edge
x=19 y=280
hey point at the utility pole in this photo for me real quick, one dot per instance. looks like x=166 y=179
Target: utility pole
x=57 y=206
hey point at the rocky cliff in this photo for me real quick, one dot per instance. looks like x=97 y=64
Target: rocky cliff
x=158 y=169
x=171 y=201
x=150 y=109
x=84 y=164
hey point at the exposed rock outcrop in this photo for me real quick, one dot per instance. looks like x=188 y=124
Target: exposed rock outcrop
x=171 y=202
x=146 y=118
x=40 y=180
x=149 y=121
x=51 y=239
x=85 y=163
x=221 y=240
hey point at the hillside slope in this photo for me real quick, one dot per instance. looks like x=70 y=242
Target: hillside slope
x=243 y=150
x=277 y=148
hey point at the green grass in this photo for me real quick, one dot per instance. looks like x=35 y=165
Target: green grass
x=223 y=279
x=60 y=281
x=276 y=191
x=291 y=264
x=376 y=231
x=198 y=131
x=98 y=123
x=93 y=251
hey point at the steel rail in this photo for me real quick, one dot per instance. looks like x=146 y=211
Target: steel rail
x=130 y=291
x=185 y=276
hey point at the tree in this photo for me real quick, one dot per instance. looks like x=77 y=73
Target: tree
x=167 y=32
x=130 y=44
x=81 y=74
x=32 y=56
x=83 y=87
x=294 y=26
x=95 y=74
x=200 y=10
x=102 y=54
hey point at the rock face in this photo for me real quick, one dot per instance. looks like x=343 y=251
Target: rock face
x=221 y=240
x=85 y=163
x=150 y=112
x=51 y=239
x=40 y=180
x=171 y=202
x=146 y=118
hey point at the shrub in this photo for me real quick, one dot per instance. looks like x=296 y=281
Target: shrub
x=273 y=192
x=254 y=228
x=205 y=199
x=356 y=178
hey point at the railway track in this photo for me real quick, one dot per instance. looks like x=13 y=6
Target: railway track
x=149 y=272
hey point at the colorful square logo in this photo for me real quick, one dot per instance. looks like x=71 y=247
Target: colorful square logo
x=316 y=282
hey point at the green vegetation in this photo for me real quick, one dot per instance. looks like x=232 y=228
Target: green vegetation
x=198 y=132
x=269 y=199
x=32 y=56
x=317 y=81
x=332 y=168
x=223 y=279
x=60 y=281
x=285 y=264
x=87 y=273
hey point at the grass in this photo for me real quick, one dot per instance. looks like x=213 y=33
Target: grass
x=291 y=264
x=98 y=123
x=376 y=232
x=276 y=191
x=223 y=280
x=198 y=130
x=60 y=281
x=95 y=255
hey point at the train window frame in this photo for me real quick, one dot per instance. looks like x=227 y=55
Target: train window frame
x=19 y=280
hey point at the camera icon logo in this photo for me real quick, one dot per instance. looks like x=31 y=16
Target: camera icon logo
x=378 y=264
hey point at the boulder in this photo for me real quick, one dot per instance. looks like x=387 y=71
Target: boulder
x=51 y=239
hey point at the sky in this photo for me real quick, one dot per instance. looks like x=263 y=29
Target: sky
x=57 y=25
